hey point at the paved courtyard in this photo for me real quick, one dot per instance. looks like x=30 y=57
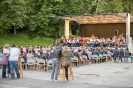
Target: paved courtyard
x=103 y=75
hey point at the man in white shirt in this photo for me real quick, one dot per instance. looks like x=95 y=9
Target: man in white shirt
x=13 y=61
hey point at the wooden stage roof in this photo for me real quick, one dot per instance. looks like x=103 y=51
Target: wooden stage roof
x=98 y=18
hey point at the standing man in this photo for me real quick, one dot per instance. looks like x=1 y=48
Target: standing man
x=121 y=52
x=13 y=61
x=127 y=55
x=115 y=54
x=56 y=63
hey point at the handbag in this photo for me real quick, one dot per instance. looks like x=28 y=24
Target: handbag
x=63 y=64
x=5 y=59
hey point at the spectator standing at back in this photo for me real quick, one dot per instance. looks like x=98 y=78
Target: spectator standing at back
x=121 y=54
x=56 y=63
x=5 y=60
x=127 y=54
x=51 y=54
x=115 y=54
x=13 y=61
x=67 y=54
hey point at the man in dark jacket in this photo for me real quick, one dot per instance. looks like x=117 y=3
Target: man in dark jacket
x=115 y=54
x=75 y=53
x=84 y=53
x=121 y=54
x=56 y=63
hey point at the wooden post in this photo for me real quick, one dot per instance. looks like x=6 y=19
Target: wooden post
x=45 y=65
x=20 y=66
x=67 y=28
x=63 y=73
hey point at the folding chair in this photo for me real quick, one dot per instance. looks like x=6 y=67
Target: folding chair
x=49 y=64
x=30 y=62
x=23 y=62
x=75 y=60
x=85 y=58
x=41 y=64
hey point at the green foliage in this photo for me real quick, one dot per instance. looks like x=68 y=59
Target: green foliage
x=23 y=40
x=12 y=13
x=35 y=16
x=106 y=6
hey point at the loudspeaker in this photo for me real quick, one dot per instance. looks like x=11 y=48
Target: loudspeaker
x=115 y=32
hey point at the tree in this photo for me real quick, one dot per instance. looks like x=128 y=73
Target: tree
x=61 y=8
x=12 y=14
x=106 y=6
x=127 y=6
x=35 y=15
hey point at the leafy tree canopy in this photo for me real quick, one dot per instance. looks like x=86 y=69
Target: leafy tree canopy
x=34 y=16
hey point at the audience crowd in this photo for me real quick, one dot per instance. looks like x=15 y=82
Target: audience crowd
x=112 y=48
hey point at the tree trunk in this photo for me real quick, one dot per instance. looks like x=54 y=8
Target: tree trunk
x=55 y=41
x=41 y=35
x=56 y=36
x=15 y=31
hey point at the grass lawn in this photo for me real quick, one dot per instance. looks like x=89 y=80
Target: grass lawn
x=22 y=40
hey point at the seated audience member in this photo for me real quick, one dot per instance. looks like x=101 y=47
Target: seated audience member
x=100 y=54
x=41 y=54
x=84 y=53
x=51 y=54
x=44 y=55
x=89 y=53
x=103 y=50
x=47 y=53
x=94 y=51
x=93 y=44
x=30 y=55
x=101 y=44
x=75 y=53
x=80 y=55
x=109 y=54
x=25 y=56
x=36 y=54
